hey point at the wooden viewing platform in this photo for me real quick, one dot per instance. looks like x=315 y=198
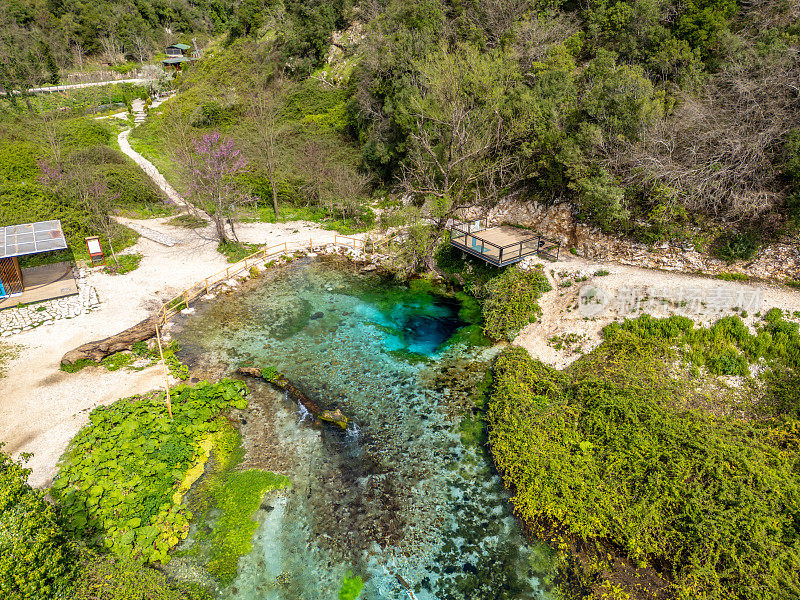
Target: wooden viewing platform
x=501 y=245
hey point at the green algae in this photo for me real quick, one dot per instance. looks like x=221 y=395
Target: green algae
x=351 y=587
x=226 y=501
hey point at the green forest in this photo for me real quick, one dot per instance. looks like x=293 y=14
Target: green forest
x=656 y=119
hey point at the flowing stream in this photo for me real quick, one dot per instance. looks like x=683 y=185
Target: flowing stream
x=404 y=498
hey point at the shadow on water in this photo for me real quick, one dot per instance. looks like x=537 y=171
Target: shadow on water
x=397 y=498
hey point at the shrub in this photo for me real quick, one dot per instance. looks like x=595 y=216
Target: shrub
x=509 y=301
x=82 y=133
x=736 y=246
x=110 y=577
x=35 y=556
x=607 y=457
x=18 y=161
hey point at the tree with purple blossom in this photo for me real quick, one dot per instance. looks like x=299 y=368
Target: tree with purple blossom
x=214 y=166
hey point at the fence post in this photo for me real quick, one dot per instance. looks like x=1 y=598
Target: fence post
x=185 y=299
x=164 y=367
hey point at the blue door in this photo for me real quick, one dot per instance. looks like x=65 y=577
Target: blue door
x=2 y=290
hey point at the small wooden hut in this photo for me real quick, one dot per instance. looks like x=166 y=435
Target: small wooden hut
x=22 y=240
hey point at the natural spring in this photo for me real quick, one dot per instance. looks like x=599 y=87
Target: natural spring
x=405 y=498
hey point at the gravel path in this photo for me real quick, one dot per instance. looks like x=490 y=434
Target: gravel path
x=149 y=168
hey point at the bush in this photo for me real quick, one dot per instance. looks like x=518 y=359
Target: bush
x=736 y=246
x=35 y=556
x=97 y=155
x=18 y=161
x=110 y=577
x=509 y=301
x=82 y=133
x=130 y=186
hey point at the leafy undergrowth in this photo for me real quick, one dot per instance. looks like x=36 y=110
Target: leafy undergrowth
x=118 y=479
x=225 y=503
x=653 y=500
x=36 y=560
x=510 y=301
x=507 y=297
x=110 y=577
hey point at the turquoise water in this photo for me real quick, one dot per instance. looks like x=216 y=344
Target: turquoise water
x=398 y=498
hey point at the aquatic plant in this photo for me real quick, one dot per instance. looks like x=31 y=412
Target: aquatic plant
x=233 y=496
x=117 y=480
x=351 y=587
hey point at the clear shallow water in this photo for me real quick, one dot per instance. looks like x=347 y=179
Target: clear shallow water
x=397 y=498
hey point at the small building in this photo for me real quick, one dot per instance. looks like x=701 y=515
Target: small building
x=177 y=50
x=500 y=245
x=176 y=56
x=39 y=283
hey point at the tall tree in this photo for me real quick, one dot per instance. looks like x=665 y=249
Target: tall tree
x=265 y=110
x=457 y=134
x=214 y=165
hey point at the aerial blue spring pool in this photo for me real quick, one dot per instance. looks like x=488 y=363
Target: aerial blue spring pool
x=405 y=498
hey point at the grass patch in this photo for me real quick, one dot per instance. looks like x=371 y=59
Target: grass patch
x=733 y=276
x=188 y=221
x=125 y=264
x=120 y=360
x=236 y=251
x=7 y=354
